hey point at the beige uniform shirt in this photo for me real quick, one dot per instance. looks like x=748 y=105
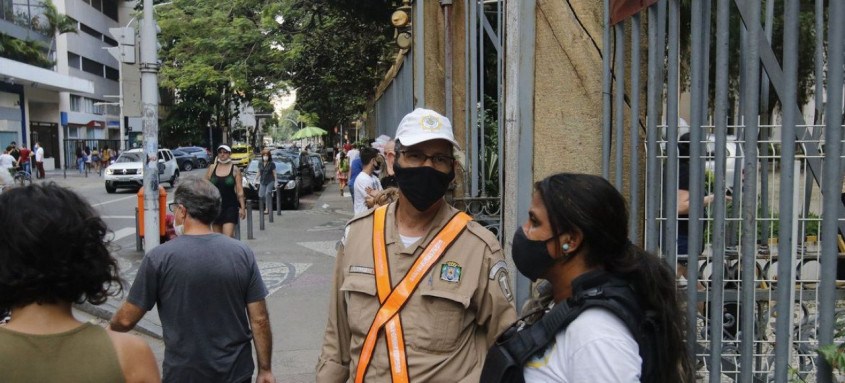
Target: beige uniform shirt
x=449 y=322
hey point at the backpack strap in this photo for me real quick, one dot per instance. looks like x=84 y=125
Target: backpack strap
x=594 y=289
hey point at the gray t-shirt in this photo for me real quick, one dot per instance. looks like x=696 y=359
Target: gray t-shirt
x=202 y=284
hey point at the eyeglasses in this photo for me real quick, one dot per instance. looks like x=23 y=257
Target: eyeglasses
x=172 y=206
x=415 y=158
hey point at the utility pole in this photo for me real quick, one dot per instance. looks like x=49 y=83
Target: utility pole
x=149 y=123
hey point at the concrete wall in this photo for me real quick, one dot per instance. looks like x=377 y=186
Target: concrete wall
x=568 y=94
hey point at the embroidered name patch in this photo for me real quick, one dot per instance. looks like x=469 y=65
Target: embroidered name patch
x=450 y=272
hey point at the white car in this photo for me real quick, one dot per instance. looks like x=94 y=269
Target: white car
x=128 y=170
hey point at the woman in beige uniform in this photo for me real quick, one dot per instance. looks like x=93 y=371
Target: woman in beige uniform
x=54 y=253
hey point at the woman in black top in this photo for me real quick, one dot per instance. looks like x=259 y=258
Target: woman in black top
x=226 y=176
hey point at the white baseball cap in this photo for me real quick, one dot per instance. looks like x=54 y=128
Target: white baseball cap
x=424 y=125
x=225 y=147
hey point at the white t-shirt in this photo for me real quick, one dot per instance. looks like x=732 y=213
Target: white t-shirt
x=6 y=161
x=595 y=347
x=352 y=155
x=362 y=182
x=39 y=154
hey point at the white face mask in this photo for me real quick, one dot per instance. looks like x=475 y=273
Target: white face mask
x=178 y=229
x=266 y=158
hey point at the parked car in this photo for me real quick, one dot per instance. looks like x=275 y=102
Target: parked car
x=241 y=155
x=203 y=155
x=285 y=181
x=302 y=167
x=319 y=170
x=185 y=160
x=128 y=170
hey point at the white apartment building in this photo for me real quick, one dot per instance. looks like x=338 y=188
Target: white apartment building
x=58 y=103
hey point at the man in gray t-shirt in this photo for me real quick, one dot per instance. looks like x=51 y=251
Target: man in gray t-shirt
x=210 y=297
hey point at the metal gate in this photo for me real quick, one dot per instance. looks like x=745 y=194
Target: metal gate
x=764 y=297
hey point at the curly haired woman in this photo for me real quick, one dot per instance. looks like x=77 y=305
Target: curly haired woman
x=53 y=253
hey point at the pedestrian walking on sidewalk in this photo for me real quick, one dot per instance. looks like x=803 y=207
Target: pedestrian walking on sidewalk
x=227 y=178
x=342 y=164
x=54 y=253
x=612 y=314
x=437 y=280
x=367 y=185
x=209 y=293
x=39 y=160
x=266 y=179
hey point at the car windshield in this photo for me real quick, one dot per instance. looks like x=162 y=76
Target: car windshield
x=179 y=153
x=283 y=167
x=130 y=157
x=240 y=150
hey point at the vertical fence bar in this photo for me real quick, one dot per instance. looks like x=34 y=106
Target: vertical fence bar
x=472 y=96
x=831 y=182
x=751 y=56
x=671 y=176
x=605 y=90
x=468 y=63
x=717 y=279
x=634 y=191
x=249 y=220
x=500 y=86
x=787 y=180
x=766 y=133
x=818 y=117
x=695 y=167
x=653 y=99
x=482 y=152
x=619 y=100
x=705 y=100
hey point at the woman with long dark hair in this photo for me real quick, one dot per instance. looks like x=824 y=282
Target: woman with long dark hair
x=54 y=252
x=614 y=314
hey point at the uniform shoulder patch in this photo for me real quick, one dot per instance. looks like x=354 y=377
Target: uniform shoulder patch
x=499 y=273
x=450 y=272
x=354 y=221
x=485 y=235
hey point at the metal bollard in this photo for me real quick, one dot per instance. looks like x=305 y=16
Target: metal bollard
x=260 y=213
x=278 y=201
x=269 y=205
x=139 y=245
x=238 y=229
x=249 y=220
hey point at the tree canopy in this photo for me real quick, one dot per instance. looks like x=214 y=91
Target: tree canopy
x=334 y=54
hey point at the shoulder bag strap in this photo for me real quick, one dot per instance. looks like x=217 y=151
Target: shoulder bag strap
x=398 y=296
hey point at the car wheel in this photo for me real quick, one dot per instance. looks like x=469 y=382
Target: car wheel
x=110 y=189
x=203 y=163
x=174 y=179
x=187 y=166
x=295 y=203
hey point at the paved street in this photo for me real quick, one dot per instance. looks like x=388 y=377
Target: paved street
x=295 y=254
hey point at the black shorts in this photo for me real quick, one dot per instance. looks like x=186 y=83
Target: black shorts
x=227 y=215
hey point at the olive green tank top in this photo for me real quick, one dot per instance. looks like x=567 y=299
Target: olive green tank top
x=84 y=354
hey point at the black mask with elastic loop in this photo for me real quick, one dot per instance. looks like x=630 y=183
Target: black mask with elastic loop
x=422 y=185
x=531 y=257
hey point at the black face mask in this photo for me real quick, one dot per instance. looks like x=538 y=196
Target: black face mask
x=422 y=185
x=531 y=257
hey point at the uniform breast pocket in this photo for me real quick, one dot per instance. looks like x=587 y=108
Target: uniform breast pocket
x=361 y=302
x=444 y=317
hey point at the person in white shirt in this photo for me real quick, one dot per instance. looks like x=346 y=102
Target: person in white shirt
x=367 y=186
x=7 y=162
x=39 y=160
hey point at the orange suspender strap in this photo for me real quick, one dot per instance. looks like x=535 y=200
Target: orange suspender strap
x=397 y=297
x=393 y=329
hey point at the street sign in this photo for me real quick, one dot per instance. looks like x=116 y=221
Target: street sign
x=125 y=49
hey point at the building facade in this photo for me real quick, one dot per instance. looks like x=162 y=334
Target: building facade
x=74 y=95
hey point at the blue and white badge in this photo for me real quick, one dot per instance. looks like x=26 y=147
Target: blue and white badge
x=450 y=272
